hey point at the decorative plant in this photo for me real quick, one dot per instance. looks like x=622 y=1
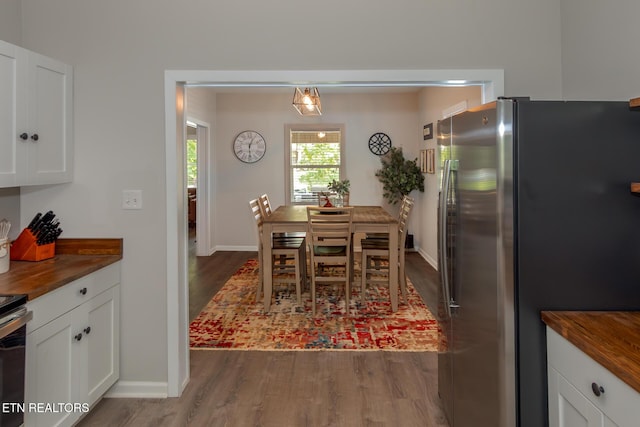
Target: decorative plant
x=399 y=176
x=340 y=187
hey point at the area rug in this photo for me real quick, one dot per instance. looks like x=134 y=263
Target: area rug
x=233 y=319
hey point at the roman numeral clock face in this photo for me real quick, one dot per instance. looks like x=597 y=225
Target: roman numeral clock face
x=249 y=146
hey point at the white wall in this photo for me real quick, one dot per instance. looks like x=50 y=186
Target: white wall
x=433 y=101
x=600 y=49
x=10 y=21
x=10 y=209
x=120 y=50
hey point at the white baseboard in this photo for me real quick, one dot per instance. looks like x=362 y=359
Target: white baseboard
x=138 y=389
x=430 y=260
x=237 y=248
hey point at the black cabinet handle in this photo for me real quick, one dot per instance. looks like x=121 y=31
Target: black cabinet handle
x=87 y=330
x=24 y=136
x=35 y=137
x=83 y=291
x=597 y=389
x=77 y=337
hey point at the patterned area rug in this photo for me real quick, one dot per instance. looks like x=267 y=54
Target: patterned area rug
x=233 y=320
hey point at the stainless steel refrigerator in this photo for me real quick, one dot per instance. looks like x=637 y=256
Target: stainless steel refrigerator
x=535 y=214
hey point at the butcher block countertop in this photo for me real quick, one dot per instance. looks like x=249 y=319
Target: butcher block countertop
x=611 y=338
x=75 y=258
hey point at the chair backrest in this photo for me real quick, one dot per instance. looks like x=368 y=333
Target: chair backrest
x=265 y=205
x=403 y=220
x=329 y=226
x=256 y=212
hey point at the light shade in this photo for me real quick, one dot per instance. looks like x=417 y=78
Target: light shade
x=307 y=103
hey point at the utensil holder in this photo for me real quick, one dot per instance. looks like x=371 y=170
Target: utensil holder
x=24 y=248
x=4 y=255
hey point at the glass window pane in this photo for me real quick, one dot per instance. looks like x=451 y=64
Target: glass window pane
x=315 y=160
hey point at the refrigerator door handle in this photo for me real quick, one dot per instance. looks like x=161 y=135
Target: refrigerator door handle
x=442 y=225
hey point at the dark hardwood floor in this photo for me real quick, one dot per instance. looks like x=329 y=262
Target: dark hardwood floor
x=291 y=388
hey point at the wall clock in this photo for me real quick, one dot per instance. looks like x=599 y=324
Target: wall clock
x=249 y=146
x=379 y=143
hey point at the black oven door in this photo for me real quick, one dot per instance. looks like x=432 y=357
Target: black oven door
x=13 y=337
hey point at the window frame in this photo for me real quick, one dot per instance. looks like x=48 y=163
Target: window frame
x=315 y=127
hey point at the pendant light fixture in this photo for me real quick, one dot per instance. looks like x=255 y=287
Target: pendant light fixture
x=307 y=103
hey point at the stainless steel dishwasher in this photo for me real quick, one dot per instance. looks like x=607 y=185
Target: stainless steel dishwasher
x=13 y=335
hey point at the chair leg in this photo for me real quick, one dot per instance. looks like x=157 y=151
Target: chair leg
x=298 y=277
x=363 y=279
x=303 y=263
x=260 y=273
x=402 y=278
x=313 y=287
x=347 y=288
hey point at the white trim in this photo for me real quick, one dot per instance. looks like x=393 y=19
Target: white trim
x=138 y=390
x=203 y=211
x=328 y=127
x=428 y=258
x=237 y=248
x=491 y=81
x=455 y=109
x=177 y=363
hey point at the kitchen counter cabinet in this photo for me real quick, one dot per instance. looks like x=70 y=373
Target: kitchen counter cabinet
x=73 y=346
x=36 y=111
x=593 y=368
x=73 y=340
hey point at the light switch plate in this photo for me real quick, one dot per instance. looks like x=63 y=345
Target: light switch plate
x=131 y=199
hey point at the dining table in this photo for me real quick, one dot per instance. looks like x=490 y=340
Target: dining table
x=365 y=219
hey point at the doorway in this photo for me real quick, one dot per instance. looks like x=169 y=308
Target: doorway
x=198 y=173
x=491 y=82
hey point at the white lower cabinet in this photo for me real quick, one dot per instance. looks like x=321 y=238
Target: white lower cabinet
x=72 y=354
x=582 y=393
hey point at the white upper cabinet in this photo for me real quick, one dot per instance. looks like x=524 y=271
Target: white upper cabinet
x=36 y=118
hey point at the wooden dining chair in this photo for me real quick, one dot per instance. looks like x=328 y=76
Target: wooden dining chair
x=385 y=236
x=329 y=239
x=375 y=254
x=289 y=259
x=265 y=208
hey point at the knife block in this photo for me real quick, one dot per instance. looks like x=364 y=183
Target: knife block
x=24 y=248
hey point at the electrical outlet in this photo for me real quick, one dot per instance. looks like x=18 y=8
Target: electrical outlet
x=131 y=199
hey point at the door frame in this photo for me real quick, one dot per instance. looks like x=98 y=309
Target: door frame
x=491 y=82
x=204 y=235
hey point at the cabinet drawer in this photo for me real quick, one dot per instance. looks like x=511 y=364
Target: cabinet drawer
x=55 y=303
x=619 y=402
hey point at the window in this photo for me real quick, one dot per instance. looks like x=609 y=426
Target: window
x=192 y=156
x=314 y=157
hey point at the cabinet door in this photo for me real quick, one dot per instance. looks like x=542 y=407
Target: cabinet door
x=570 y=408
x=12 y=114
x=103 y=342
x=52 y=372
x=50 y=143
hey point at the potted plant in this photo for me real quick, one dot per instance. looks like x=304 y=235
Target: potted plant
x=399 y=177
x=341 y=188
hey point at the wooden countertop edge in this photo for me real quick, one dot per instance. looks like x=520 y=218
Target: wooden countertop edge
x=105 y=260
x=604 y=345
x=74 y=259
x=91 y=246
